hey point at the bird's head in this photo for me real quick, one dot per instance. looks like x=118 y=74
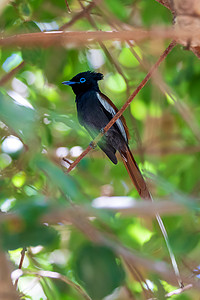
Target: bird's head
x=84 y=81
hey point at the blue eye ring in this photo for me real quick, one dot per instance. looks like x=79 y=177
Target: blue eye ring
x=82 y=80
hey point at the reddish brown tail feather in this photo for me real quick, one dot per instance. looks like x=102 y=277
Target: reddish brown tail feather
x=135 y=174
x=142 y=189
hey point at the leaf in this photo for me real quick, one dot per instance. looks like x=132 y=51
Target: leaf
x=20 y=119
x=25 y=10
x=70 y=121
x=14 y=238
x=33 y=56
x=182 y=241
x=127 y=59
x=99 y=271
x=116 y=83
x=117 y=7
x=31 y=208
x=64 y=182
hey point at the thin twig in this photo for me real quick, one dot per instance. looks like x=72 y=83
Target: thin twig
x=56 y=275
x=9 y=75
x=124 y=107
x=23 y=252
x=67 y=160
x=104 y=48
x=179 y=291
x=78 y=16
x=68 y=8
x=181 y=107
x=135 y=273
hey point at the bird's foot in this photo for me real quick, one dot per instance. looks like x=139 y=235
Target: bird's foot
x=93 y=145
x=102 y=131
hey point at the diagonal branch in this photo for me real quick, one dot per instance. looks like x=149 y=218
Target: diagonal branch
x=9 y=75
x=124 y=107
x=56 y=275
x=80 y=15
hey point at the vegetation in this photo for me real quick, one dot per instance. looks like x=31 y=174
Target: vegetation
x=63 y=236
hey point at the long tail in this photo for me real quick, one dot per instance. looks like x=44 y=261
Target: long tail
x=135 y=173
x=142 y=189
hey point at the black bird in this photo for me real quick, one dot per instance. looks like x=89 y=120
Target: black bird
x=95 y=110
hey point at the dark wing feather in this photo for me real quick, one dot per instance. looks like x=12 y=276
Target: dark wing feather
x=107 y=149
x=122 y=119
x=111 y=109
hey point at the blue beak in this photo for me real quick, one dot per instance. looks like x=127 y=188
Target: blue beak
x=69 y=82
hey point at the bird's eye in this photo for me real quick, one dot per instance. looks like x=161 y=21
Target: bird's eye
x=82 y=80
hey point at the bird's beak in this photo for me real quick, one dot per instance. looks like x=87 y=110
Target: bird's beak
x=68 y=82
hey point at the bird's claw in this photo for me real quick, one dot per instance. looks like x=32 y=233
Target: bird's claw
x=92 y=145
x=102 y=131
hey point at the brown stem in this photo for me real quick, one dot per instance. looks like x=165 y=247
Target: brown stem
x=9 y=75
x=20 y=264
x=68 y=8
x=60 y=38
x=80 y=15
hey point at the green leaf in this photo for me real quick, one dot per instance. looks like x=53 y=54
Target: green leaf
x=118 y=8
x=25 y=10
x=183 y=241
x=99 y=270
x=127 y=59
x=33 y=56
x=64 y=182
x=116 y=83
x=31 y=208
x=20 y=119
x=14 y=238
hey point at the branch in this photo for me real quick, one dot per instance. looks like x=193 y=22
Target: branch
x=61 y=38
x=79 y=219
x=106 y=51
x=23 y=252
x=179 y=291
x=68 y=8
x=9 y=75
x=142 y=208
x=7 y=290
x=181 y=107
x=80 y=15
x=124 y=107
x=56 y=275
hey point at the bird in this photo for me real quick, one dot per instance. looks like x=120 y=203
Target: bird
x=95 y=110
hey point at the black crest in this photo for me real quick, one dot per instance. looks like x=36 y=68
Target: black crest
x=97 y=76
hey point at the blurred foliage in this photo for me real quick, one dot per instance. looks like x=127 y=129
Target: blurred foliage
x=38 y=126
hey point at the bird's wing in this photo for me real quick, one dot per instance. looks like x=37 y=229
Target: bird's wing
x=126 y=154
x=112 y=109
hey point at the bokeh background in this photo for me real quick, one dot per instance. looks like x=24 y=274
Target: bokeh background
x=59 y=218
